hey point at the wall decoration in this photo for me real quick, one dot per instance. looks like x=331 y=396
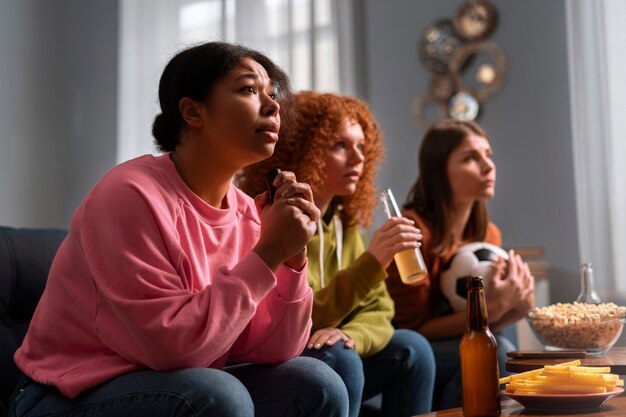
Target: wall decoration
x=467 y=68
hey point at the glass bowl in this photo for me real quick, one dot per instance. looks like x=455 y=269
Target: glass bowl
x=589 y=327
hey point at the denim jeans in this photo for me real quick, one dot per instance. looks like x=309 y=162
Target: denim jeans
x=299 y=387
x=404 y=372
x=448 y=386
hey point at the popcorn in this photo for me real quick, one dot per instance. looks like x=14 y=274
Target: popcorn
x=593 y=327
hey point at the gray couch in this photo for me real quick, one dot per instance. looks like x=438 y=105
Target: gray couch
x=25 y=258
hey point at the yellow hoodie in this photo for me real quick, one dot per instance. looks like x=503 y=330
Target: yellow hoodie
x=349 y=288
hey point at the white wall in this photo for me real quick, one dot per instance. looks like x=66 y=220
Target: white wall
x=57 y=106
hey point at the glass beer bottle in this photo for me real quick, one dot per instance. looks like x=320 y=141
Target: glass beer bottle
x=588 y=292
x=410 y=262
x=479 y=357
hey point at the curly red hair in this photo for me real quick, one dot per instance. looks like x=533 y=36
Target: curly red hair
x=318 y=119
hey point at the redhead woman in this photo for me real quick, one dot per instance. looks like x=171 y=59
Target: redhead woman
x=457 y=176
x=336 y=147
x=174 y=294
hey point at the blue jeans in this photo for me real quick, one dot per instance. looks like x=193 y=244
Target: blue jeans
x=299 y=387
x=448 y=386
x=404 y=372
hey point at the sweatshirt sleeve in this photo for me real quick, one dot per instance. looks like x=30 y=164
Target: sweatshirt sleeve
x=345 y=291
x=281 y=327
x=357 y=302
x=147 y=313
x=370 y=324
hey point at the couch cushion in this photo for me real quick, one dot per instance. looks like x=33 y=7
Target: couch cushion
x=25 y=258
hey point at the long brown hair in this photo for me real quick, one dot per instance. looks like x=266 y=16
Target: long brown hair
x=431 y=195
x=318 y=119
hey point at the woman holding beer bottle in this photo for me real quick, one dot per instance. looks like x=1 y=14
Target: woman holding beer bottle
x=336 y=148
x=456 y=177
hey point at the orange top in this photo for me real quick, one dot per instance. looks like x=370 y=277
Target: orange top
x=415 y=305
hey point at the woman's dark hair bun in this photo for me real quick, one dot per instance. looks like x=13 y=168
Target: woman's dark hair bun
x=165 y=135
x=193 y=73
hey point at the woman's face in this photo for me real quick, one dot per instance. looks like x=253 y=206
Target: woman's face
x=241 y=117
x=471 y=171
x=344 y=161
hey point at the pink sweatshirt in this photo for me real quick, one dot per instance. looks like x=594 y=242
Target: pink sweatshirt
x=150 y=276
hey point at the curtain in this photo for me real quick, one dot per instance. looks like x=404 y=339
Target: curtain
x=597 y=59
x=312 y=40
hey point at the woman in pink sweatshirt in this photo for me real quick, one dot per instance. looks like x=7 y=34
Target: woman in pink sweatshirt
x=174 y=294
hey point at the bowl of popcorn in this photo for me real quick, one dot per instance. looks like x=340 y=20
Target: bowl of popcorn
x=593 y=328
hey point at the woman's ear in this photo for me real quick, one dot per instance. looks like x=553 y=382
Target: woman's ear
x=190 y=111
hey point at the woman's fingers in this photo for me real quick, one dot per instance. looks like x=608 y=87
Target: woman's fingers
x=284 y=177
x=394 y=236
x=398 y=232
x=261 y=200
x=288 y=224
x=395 y=221
x=513 y=265
x=306 y=207
x=405 y=236
x=499 y=268
x=326 y=337
x=287 y=186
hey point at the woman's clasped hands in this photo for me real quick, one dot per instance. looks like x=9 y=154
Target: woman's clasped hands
x=287 y=224
x=510 y=291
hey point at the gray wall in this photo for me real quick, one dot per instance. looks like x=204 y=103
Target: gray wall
x=58 y=81
x=528 y=122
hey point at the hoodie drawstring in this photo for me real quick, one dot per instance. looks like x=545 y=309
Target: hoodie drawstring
x=339 y=239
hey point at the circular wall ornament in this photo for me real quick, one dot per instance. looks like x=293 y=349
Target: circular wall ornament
x=467 y=68
x=437 y=44
x=441 y=87
x=497 y=64
x=476 y=19
x=463 y=106
x=426 y=111
x=486 y=74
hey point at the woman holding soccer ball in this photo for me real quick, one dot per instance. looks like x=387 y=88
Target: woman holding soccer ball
x=456 y=176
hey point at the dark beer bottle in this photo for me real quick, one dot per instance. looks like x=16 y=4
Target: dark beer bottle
x=479 y=357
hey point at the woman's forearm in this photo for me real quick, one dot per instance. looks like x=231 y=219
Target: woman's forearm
x=451 y=325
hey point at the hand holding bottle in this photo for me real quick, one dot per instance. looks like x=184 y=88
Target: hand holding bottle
x=395 y=235
x=409 y=261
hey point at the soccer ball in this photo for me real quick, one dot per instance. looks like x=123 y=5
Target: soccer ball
x=472 y=259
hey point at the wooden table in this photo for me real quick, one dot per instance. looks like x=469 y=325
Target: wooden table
x=615 y=358
x=612 y=408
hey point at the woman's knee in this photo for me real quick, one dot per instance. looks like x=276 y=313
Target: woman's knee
x=319 y=382
x=345 y=362
x=211 y=392
x=336 y=356
x=419 y=350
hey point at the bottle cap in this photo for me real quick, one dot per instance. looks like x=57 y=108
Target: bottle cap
x=474 y=282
